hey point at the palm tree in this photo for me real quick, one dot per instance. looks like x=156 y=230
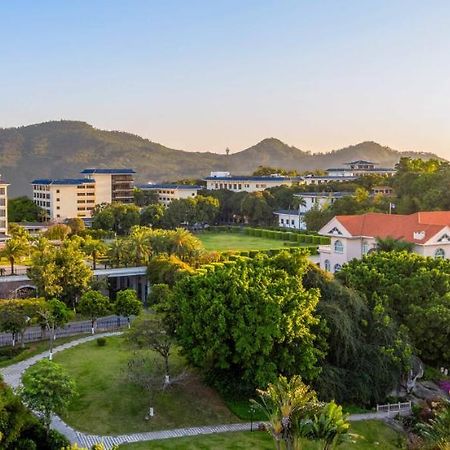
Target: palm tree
x=390 y=244
x=15 y=248
x=93 y=248
x=118 y=253
x=140 y=247
x=184 y=244
x=286 y=403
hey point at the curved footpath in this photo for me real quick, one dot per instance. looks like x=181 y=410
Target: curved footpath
x=12 y=375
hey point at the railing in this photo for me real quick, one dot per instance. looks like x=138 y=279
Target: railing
x=6 y=271
x=71 y=329
x=395 y=408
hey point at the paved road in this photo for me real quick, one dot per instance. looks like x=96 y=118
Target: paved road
x=13 y=374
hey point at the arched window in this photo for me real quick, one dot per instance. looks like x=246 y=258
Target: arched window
x=338 y=247
x=439 y=253
x=337 y=267
x=327 y=265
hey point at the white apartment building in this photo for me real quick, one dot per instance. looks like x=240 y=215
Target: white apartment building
x=65 y=198
x=3 y=210
x=76 y=197
x=325 y=179
x=112 y=185
x=355 y=236
x=290 y=218
x=359 y=168
x=243 y=183
x=169 y=192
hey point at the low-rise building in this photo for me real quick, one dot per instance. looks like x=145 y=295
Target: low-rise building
x=290 y=218
x=169 y=192
x=325 y=179
x=243 y=183
x=385 y=191
x=355 y=236
x=359 y=168
x=3 y=210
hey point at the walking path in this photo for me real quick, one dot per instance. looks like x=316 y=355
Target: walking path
x=12 y=375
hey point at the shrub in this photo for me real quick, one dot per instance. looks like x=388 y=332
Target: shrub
x=101 y=341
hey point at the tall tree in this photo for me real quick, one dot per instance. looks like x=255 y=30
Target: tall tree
x=94 y=305
x=94 y=248
x=127 y=304
x=15 y=248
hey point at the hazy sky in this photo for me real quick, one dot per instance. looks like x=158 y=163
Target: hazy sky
x=204 y=75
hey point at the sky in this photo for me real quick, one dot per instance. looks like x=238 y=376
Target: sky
x=206 y=75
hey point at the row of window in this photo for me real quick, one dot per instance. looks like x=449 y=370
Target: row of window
x=337 y=267
x=282 y=221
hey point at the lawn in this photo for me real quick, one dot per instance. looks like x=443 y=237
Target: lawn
x=373 y=434
x=109 y=404
x=223 y=241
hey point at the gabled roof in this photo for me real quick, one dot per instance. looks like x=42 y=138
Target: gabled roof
x=417 y=228
x=108 y=171
x=62 y=181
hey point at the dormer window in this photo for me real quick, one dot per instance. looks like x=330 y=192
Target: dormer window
x=419 y=235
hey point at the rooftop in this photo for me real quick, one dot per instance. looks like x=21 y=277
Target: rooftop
x=416 y=228
x=288 y=212
x=252 y=178
x=108 y=171
x=169 y=186
x=63 y=181
x=323 y=194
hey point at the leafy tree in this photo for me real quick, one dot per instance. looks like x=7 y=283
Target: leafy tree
x=23 y=209
x=119 y=253
x=206 y=209
x=184 y=244
x=60 y=272
x=15 y=248
x=316 y=218
x=127 y=304
x=152 y=215
x=94 y=305
x=145 y=197
x=256 y=209
x=158 y=294
x=167 y=269
x=47 y=388
x=76 y=225
x=139 y=245
x=118 y=217
x=58 y=232
x=390 y=244
x=247 y=320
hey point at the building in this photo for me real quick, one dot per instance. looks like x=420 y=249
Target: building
x=3 y=210
x=65 y=198
x=169 y=192
x=112 y=185
x=359 y=168
x=355 y=236
x=76 y=197
x=243 y=183
x=325 y=179
x=385 y=191
x=290 y=218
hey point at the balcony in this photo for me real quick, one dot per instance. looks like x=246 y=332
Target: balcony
x=325 y=249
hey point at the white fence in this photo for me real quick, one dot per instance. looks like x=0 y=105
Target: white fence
x=395 y=408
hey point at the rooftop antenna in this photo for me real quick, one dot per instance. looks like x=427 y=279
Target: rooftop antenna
x=227 y=151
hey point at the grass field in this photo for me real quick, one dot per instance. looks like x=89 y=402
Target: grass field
x=223 y=241
x=109 y=404
x=372 y=434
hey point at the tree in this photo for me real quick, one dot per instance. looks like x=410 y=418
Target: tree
x=58 y=232
x=15 y=248
x=94 y=305
x=150 y=332
x=54 y=314
x=248 y=320
x=117 y=217
x=145 y=197
x=206 y=209
x=127 y=304
x=255 y=208
x=60 y=272
x=76 y=225
x=47 y=389
x=94 y=248
x=287 y=404
x=23 y=209
x=158 y=294
x=152 y=215
x=167 y=269
x=390 y=244
x=139 y=245
x=184 y=244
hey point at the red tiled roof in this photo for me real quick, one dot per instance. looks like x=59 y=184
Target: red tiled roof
x=396 y=225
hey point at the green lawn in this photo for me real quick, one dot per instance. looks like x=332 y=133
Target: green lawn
x=109 y=404
x=373 y=434
x=223 y=241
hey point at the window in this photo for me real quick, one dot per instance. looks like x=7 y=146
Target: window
x=439 y=253
x=282 y=221
x=57 y=191
x=338 y=247
x=57 y=199
x=327 y=265
x=337 y=267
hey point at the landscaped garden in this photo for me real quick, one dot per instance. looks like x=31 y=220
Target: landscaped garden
x=372 y=434
x=109 y=404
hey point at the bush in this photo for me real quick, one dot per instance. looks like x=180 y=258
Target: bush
x=101 y=341
x=7 y=353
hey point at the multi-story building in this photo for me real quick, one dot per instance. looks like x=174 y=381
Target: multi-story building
x=359 y=168
x=65 y=198
x=3 y=210
x=112 y=185
x=307 y=200
x=169 y=192
x=355 y=236
x=242 y=183
x=76 y=197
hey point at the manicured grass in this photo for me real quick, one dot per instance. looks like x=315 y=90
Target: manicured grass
x=373 y=434
x=223 y=241
x=109 y=404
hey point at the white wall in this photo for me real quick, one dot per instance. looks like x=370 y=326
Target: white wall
x=291 y=221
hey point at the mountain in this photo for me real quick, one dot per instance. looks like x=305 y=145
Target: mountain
x=64 y=148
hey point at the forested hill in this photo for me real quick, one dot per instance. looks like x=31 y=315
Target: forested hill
x=62 y=149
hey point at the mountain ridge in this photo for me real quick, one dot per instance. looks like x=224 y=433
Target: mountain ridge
x=63 y=148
